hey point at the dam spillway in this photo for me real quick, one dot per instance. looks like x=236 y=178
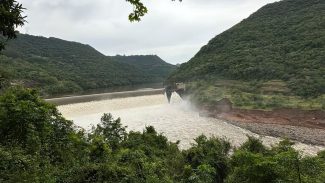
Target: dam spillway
x=104 y=96
x=178 y=120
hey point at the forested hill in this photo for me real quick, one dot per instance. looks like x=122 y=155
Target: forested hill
x=27 y=46
x=57 y=66
x=281 y=41
x=151 y=64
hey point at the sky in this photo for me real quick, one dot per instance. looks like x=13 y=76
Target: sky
x=173 y=30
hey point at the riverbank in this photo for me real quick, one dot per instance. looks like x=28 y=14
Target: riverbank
x=266 y=108
x=299 y=125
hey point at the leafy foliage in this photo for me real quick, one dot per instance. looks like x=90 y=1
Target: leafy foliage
x=38 y=145
x=56 y=66
x=281 y=41
x=210 y=155
x=139 y=10
x=11 y=17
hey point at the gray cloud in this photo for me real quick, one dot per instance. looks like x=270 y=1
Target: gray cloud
x=175 y=31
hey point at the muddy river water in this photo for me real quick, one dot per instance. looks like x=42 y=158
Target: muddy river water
x=178 y=120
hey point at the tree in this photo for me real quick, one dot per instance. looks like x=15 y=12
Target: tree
x=10 y=18
x=210 y=157
x=111 y=130
x=139 y=10
x=34 y=138
x=4 y=81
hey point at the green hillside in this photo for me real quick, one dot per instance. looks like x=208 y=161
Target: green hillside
x=57 y=66
x=283 y=42
x=151 y=64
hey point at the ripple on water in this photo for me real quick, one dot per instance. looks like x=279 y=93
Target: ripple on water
x=178 y=120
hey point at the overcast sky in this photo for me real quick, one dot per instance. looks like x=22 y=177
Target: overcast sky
x=175 y=31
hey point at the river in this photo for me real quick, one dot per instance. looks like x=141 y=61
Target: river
x=178 y=120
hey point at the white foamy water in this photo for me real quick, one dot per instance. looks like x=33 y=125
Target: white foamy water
x=178 y=120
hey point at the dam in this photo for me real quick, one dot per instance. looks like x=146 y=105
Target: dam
x=177 y=120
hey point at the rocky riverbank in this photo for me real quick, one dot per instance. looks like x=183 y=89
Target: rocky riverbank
x=301 y=134
x=298 y=125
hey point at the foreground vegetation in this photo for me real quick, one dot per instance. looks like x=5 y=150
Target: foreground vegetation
x=38 y=145
x=282 y=42
x=57 y=66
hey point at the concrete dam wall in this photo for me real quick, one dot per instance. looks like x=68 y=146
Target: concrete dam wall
x=103 y=96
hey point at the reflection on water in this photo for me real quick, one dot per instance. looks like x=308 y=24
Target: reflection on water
x=178 y=120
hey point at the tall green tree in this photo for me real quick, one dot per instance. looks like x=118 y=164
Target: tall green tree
x=11 y=16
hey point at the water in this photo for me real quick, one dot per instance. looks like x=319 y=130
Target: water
x=178 y=120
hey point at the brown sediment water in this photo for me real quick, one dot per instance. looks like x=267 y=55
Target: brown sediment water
x=178 y=120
